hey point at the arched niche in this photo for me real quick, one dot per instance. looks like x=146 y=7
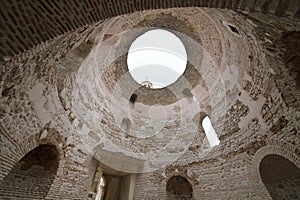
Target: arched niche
x=133 y=98
x=280 y=176
x=125 y=125
x=179 y=188
x=32 y=176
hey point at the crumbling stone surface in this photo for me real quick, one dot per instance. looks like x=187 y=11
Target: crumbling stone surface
x=73 y=92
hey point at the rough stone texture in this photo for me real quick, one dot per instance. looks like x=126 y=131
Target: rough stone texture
x=32 y=176
x=179 y=188
x=28 y=23
x=68 y=93
x=33 y=96
x=282 y=180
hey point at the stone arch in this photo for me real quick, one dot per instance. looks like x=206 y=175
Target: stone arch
x=17 y=151
x=21 y=149
x=32 y=176
x=273 y=147
x=280 y=176
x=178 y=187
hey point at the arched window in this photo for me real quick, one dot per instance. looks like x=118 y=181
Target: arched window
x=125 y=125
x=100 y=189
x=179 y=187
x=280 y=176
x=33 y=175
x=210 y=132
x=133 y=98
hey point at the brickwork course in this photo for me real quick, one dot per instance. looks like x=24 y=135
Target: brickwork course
x=67 y=115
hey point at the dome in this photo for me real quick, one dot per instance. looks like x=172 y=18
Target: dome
x=149 y=99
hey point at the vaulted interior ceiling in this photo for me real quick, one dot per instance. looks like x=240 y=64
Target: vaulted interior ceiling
x=64 y=81
x=26 y=23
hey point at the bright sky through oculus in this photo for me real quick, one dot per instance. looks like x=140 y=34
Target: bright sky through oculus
x=157 y=56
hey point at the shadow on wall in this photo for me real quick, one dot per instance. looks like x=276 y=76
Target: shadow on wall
x=288 y=77
x=290 y=42
x=281 y=177
x=179 y=188
x=32 y=176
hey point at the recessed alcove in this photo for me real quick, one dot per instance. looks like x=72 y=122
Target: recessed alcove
x=280 y=176
x=133 y=98
x=179 y=187
x=33 y=175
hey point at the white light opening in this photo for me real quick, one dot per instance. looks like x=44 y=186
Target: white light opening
x=157 y=56
x=210 y=132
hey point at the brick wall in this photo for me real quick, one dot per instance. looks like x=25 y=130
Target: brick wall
x=45 y=98
x=28 y=23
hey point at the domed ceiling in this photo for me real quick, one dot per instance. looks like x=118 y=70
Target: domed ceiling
x=162 y=122
x=83 y=88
